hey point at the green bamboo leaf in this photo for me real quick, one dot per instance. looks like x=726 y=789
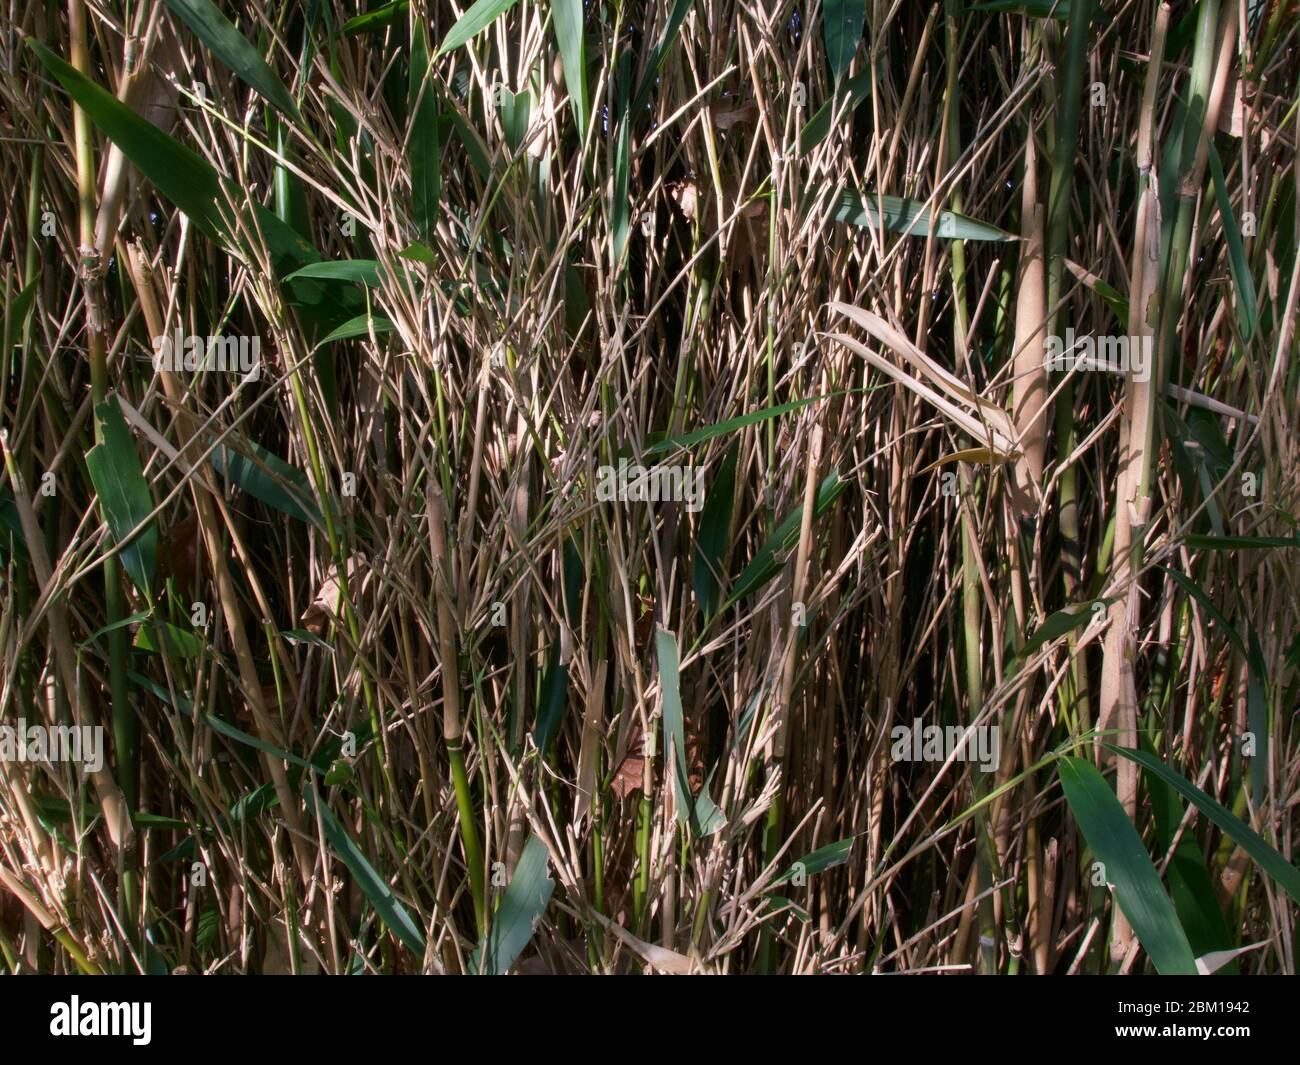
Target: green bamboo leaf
x=473 y=22
x=515 y=109
x=1189 y=880
x=163 y=637
x=230 y=46
x=711 y=543
x=207 y=198
x=124 y=495
x=290 y=189
x=574 y=580
x=1247 y=315
x=550 y=707
x=516 y=919
x=355 y=271
x=1110 y=295
x=419 y=253
x=58 y=810
x=1201 y=459
x=842 y=22
x=620 y=201
x=1207 y=604
x=660 y=54
x=310 y=638
x=910 y=218
x=708 y=432
x=180 y=175
x=423 y=151
x=375 y=888
x=764 y=566
x=376 y=19
x=137 y=618
x=474 y=146
x=568 y=16
x=1138 y=890
x=186 y=708
x=1238 y=543
x=360 y=326
x=845 y=101
x=17 y=309
x=269 y=478
x=1056 y=625
x=818 y=861
x=699 y=812
x=1268 y=859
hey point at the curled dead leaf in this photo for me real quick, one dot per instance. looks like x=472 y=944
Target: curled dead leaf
x=328 y=603
x=630 y=774
x=687 y=198
x=729 y=118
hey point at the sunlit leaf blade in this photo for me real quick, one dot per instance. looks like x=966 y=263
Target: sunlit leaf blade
x=516 y=918
x=910 y=218
x=567 y=16
x=360 y=326
x=164 y=637
x=708 y=432
x=473 y=22
x=842 y=22
x=620 y=203
x=1129 y=871
x=818 y=861
x=697 y=811
x=180 y=175
x=358 y=271
x=1056 y=625
x=195 y=187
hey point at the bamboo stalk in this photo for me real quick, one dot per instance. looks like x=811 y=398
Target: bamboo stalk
x=452 y=730
x=1118 y=706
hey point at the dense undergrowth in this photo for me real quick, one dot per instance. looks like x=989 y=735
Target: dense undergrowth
x=394 y=674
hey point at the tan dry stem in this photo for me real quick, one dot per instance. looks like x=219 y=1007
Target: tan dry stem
x=204 y=493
